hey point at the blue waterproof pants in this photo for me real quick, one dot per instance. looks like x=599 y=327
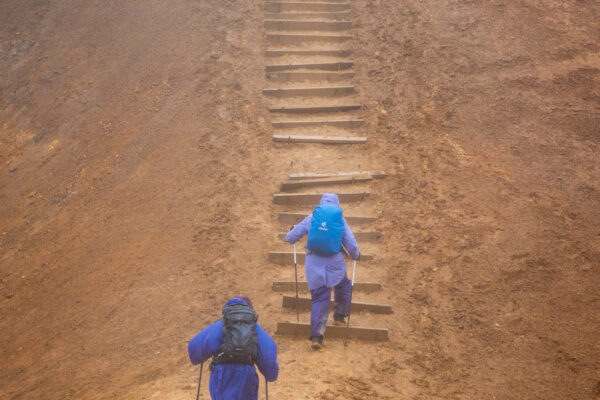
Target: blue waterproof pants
x=321 y=299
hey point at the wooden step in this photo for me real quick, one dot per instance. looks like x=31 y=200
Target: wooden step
x=307 y=76
x=335 y=332
x=274 y=6
x=293 y=218
x=310 y=91
x=311 y=175
x=290 y=286
x=320 y=139
x=309 y=1
x=328 y=66
x=335 y=180
x=305 y=37
x=305 y=303
x=332 y=16
x=306 y=25
x=307 y=53
x=291 y=109
x=369 y=236
x=287 y=257
x=339 y=123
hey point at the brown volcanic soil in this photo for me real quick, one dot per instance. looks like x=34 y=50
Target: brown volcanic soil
x=136 y=170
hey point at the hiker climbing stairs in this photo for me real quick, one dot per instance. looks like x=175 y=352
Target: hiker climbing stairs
x=312 y=101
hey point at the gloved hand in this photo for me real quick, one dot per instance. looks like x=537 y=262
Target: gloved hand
x=357 y=258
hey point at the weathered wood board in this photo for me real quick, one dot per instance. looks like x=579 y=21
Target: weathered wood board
x=340 y=123
x=319 y=139
x=294 y=218
x=307 y=76
x=313 y=198
x=310 y=175
x=338 y=332
x=309 y=91
x=287 y=257
x=359 y=236
x=325 y=66
x=290 y=286
x=305 y=304
x=273 y=6
x=308 y=53
x=334 y=180
x=306 y=25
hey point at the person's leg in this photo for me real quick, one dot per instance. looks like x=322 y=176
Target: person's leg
x=319 y=311
x=341 y=295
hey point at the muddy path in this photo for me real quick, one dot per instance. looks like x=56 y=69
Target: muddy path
x=137 y=168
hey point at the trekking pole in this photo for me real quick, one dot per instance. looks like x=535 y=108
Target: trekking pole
x=266 y=388
x=350 y=305
x=199 y=381
x=296 y=273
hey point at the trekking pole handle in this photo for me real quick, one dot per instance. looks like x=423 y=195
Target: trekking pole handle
x=294 y=253
x=353 y=272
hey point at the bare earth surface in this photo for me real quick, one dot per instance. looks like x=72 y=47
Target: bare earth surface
x=137 y=168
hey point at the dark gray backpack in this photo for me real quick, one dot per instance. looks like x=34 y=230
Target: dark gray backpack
x=240 y=343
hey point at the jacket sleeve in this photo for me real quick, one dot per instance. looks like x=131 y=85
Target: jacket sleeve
x=206 y=343
x=349 y=241
x=299 y=230
x=267 y=355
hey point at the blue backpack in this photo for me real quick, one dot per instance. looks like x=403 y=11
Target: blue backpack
x=326 y=230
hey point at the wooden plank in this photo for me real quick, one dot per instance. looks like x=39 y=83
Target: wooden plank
x=304 y=304
x=306 y=25
x=335 y=332
x=304 y=76
x=314 y=198
x=315 y=15
x=294 y=218
x=287 y=257
x=309 y=91
x=339 y=123
x=369 y=236
x=290 y=38
x=319 y=139
x=273 y=6
x=308 y=53
x=310 y=175
x=326 y=66
x=336 y=180
x=290 y=286
x=314 y=109
x=310 y=1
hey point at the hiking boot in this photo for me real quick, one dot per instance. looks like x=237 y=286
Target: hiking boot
x=339 y=320
x=317 y=342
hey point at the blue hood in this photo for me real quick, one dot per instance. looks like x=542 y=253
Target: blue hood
x=235 y=300
x=331 y=199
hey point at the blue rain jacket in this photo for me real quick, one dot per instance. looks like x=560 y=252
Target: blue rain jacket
x=325 y=271
x=234 y=381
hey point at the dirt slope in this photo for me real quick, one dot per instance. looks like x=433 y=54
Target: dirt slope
x=136 y=173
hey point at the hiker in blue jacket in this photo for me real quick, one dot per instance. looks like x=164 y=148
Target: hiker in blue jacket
x=233 y=378
x=325 y=272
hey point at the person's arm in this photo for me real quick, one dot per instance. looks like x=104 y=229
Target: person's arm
x=299 y=230
x=267 y=355
x=349 y=242
x=206 y=343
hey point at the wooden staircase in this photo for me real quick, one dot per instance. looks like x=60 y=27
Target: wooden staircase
x=309 y=71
